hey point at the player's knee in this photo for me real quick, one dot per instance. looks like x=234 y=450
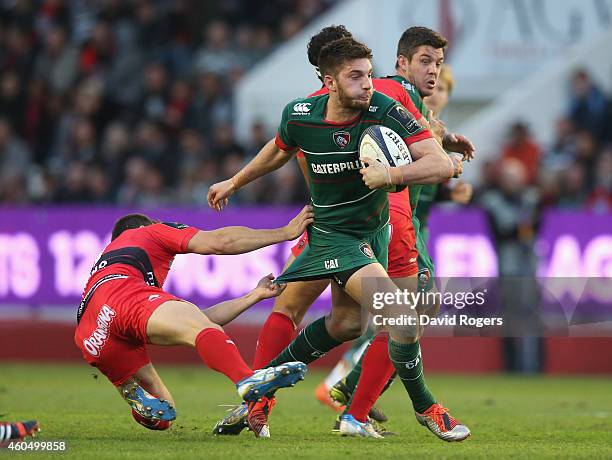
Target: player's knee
x=189 y=332
x=344 y=329
x=191 y=336
x=431 y=309
x=405 y=327
x=150 y=423
x=405 y=333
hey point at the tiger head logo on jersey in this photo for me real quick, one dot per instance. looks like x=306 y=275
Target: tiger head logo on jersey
x=342 y=138
x=366 y=250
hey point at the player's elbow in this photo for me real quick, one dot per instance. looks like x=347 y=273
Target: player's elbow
x=234 y=240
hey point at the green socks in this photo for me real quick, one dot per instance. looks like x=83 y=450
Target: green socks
x=311 y=343
x=409 y=366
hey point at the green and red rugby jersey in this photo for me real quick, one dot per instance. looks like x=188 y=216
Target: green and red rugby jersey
x=399 y=201
x=341 y=200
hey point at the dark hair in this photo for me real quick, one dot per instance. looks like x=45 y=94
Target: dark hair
x=335 y=54
x=325 y=36
x=414 y=37
x=128 y=222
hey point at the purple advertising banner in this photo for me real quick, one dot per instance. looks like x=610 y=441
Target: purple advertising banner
x=460 y=244
x=574 y=244
x=46 y=253
x=575 y=269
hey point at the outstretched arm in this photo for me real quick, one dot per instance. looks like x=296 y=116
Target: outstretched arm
x=269 y=158
x=238 y=240
x=224 y=312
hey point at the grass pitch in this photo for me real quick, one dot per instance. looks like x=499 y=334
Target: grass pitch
x=524 y=417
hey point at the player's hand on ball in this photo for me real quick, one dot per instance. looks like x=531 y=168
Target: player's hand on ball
x=219 y=193
x=375 y=174
x=454 y=142
x=266 y=288
x=457 y=164
x=300 y=223
x=462 y=192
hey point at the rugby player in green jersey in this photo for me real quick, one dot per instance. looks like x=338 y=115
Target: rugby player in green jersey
x=290 y=307
x=420 y=57
x=348 y=241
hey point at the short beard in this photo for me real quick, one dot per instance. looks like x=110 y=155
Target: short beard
x=355 y=104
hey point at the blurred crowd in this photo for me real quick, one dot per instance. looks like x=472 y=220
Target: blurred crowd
x=575 y=171
x=130 y=102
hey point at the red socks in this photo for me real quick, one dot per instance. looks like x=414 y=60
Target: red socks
x=220 y=353
x=376 y=370
x=275 y=335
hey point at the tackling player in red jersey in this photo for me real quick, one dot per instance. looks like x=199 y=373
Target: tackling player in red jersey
x=124 y=308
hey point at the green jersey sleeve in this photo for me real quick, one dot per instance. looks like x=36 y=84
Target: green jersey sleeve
x=283 y=134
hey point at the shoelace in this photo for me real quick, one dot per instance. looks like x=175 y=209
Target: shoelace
x=437 y=412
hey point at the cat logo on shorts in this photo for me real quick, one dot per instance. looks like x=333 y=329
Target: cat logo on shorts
x=342 y=138
x=366 y=250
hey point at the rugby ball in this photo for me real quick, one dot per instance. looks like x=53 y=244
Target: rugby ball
x=385 y=145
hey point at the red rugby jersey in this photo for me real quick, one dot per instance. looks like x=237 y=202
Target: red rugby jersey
x=146 y=252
